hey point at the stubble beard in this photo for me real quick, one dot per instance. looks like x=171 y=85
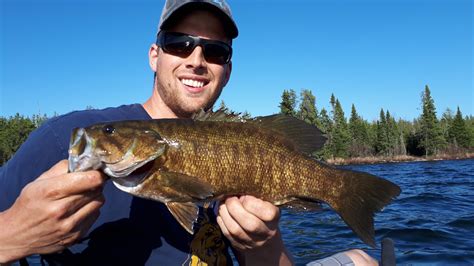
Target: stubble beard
x=180 y=107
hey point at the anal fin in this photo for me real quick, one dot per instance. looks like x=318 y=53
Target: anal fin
x=186 y=213
x=301 y=204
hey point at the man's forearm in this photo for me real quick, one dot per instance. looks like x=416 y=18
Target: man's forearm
x=8 y=253
x=274 y=253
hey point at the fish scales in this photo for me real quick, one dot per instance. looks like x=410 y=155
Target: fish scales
x=189 y=161
x=233 y=158
x=237 y=159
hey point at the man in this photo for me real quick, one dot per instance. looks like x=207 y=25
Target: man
x=46 y=210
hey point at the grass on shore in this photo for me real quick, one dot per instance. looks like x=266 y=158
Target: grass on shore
x=398 y=158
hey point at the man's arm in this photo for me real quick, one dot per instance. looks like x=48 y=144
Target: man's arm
x=251 y=226
x=51 y=213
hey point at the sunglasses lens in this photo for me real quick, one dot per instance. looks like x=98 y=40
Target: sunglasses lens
x=179 y=45
x=217 y=53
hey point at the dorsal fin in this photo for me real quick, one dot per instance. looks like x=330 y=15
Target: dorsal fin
x=306 y=138
x=222 y=115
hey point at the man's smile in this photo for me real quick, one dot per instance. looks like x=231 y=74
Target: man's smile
x=193 y=83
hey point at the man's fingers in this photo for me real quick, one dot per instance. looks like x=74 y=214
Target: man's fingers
x=85 y=217
x=264 y=210
x=232 y=226
x=249 y=222
x=73 y=203
x=57 y=183
x=80 y=182
x=87 y=223
x=72 y=184
x=236 y=244
x=88 y=209
x=79 y=229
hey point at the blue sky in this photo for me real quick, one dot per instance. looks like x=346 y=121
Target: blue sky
x=63 y=55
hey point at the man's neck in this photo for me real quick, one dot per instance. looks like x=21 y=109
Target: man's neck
x=157 y=110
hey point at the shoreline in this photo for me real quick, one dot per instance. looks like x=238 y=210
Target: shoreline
x=398 y=159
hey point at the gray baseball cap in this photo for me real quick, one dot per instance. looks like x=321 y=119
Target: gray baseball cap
x=172 y=6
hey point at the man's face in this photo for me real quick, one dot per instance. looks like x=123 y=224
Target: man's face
x=187 y=84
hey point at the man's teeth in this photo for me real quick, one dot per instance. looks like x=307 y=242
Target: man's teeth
x=192 y=83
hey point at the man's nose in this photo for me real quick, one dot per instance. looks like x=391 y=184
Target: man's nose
x=196 y=58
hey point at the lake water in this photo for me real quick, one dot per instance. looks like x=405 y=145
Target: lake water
x=431 y=222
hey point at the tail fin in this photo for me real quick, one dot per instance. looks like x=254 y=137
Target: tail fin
x=362 y=195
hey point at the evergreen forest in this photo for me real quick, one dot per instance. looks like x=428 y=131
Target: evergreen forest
x=450 y=135
x=429 y=135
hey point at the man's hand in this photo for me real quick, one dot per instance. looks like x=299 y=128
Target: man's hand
x=251 y=225
x=361 y=258
x=51 y=213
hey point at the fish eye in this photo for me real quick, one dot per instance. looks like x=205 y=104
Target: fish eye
x=108 y=129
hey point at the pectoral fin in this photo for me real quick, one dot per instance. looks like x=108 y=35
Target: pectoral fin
x=191 y=188
x=186 y=213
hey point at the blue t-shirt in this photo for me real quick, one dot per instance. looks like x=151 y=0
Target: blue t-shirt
x=129 y=230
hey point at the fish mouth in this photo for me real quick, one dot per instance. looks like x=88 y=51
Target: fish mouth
x=81 y=156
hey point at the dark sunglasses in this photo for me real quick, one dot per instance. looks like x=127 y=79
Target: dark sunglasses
x=183 y=45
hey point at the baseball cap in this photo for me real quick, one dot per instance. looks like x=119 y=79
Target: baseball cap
x=172 y=6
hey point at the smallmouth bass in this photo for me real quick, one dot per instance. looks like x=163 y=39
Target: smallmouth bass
x=188 y=161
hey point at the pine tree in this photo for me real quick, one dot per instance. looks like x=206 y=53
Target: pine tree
x=359 y=135
x=432 y=139
x=354 y=148
x=332 y=101
x=445 y=123
x=470 y=128
x=326 y=122
x=382 y=143
x=413 y=139
x=288 y=102
x=307 y=111
x=340 y=132
x=393 y=136
x=326 y=128
x=404 y=127
x=458 y=131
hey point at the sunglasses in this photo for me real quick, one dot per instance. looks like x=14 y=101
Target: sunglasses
x=182 y=45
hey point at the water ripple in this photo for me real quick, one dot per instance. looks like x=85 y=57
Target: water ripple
x=432 y=221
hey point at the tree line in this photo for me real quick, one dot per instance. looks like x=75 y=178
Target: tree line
x=14 y=131
x=354 y=137
x=426 y=135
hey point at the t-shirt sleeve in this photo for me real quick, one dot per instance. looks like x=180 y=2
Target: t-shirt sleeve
x=37 y=154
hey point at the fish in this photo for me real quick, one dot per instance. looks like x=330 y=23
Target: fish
x=187 y=163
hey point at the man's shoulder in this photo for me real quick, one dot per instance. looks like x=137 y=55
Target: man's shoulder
x=54 y=134
x=88 y=117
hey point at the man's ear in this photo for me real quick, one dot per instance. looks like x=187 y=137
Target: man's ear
x=153 y=56
x=228 y=71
